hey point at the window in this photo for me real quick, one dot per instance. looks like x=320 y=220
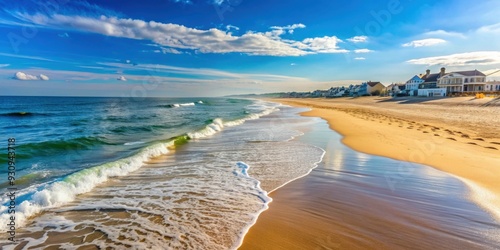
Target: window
x=466 y=80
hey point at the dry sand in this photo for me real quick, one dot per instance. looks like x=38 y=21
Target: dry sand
x=460 y=136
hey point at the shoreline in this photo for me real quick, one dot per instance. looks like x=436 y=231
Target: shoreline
x=347 y=204
x=454 y=152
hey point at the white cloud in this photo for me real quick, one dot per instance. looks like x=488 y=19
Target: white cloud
x=358 y=39
x=26 y=57
x=168 y=51
x=183 y=1
x=462 y=59
x=4 y=65
x=27 y=77
x=44 y=77
x=495 y=28
x=121 y=78
x=289 y=28
x=293 y=64
x=181 y=37
x=358 y=51
x=229 y=27
x=424 y=42
x=327 y=44
x=443 y=33
x=359 y=58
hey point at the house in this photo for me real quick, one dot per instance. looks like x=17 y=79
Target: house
x=429 y=86
x=396 y=89
x=430 y=80
x=463 y=81
x=412 y=85
x=370 y=88
x=492 y=86
x=355 y=90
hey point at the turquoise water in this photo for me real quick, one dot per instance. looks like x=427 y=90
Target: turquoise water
x=151 y=173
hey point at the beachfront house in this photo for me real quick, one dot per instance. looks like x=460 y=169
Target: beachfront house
x=429 y=85
x=463 y=81
x=412 y=85
x=492 y=86
x=355 y=90
x=396 y=89
x=370 y=88
x=430 y=80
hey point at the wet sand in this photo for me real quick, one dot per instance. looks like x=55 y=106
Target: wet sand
x=460 y=136
x=325 y=210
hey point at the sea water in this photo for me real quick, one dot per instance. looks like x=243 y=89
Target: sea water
x=149 y=173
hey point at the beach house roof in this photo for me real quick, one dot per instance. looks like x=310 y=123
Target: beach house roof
x=372 y=84
x=470 y=73
x=430 y=77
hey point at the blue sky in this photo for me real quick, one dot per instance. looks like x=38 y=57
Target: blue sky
x=217 y=47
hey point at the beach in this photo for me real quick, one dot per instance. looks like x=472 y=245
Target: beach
x=458 y=136
x=224 y=173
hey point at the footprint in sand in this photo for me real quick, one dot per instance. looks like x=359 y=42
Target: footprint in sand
x=479 y=139
x=491 y=148
x=465 y=136
x=425 y=132
x=497 y=143
x=472 y=143
x=453 y=139
x=436 y=135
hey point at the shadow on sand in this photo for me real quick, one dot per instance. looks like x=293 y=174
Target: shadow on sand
x=411 y=99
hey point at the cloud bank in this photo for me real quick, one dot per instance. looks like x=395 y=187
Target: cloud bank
x=180 y=37
x=27 y=77
x=462 y=59
x=424 y=42
x=358 y=39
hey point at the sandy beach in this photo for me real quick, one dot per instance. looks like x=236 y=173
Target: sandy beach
x=460 y=136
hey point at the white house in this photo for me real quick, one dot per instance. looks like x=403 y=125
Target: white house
x=432 y=92
x=412 y=85
x=492 y=86
x=463 y=81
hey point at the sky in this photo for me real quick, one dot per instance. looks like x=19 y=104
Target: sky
x=182 y=48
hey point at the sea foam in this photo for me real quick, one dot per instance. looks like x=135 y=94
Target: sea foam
x=61 y=192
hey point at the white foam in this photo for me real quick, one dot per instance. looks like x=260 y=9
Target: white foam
x=133 y=143
x=178 y=105
x=263 y=195
x=488 y=200
x=62 y=192
x=217 y=125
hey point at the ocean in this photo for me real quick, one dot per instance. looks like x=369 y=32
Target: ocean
x=175 y=173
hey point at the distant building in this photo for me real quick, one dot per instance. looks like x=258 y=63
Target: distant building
x=429 y=86
x=369 y=88
x=492 y=86
x=430 y=80
x=396 y=89
x=412 y=85
x=463 y=81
